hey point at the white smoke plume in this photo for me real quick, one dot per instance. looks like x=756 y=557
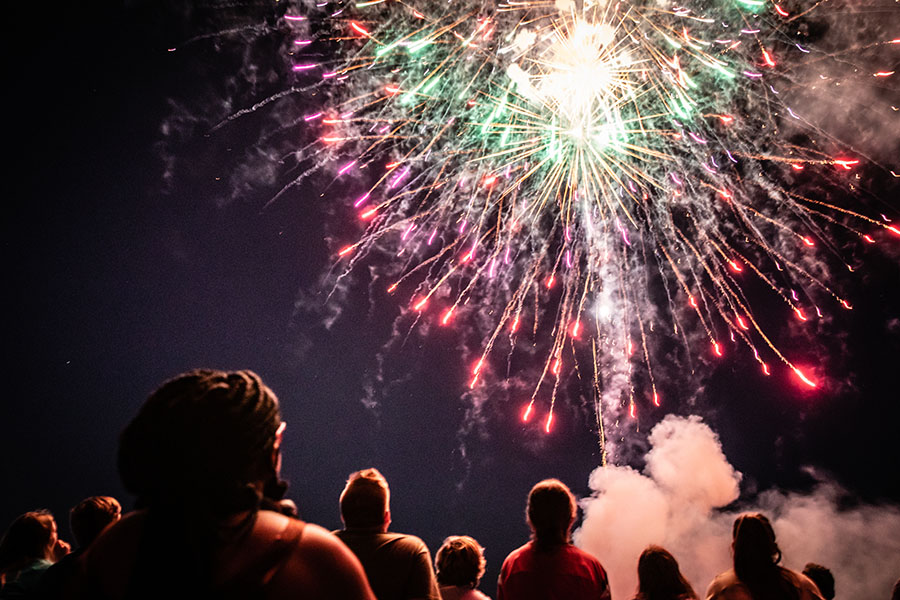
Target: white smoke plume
x=678 y=501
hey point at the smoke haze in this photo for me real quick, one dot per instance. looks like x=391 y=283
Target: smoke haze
x=678 y=502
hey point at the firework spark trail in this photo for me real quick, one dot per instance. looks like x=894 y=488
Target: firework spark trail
x=569 y=165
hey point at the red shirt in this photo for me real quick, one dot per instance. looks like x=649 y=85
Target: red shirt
x=560 y=573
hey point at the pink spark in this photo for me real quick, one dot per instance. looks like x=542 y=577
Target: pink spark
x=803 y=377
x=447 y=316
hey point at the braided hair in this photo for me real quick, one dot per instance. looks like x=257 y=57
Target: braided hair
x=195 y=454
x=205 y=436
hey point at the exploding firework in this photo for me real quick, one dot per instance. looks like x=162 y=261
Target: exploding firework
x=587 y=177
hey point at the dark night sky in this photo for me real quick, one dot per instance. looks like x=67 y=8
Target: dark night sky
x=113 y=286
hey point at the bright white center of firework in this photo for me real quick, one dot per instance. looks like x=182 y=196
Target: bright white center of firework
x=578 y=77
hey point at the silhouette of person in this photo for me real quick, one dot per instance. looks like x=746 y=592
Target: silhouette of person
x=549 y=567
x=30 y=545
x=660 y=578
x=823 y=579
x=756 y=574
x=398 y=566
x=459 y=564
x=203 y=458
x=87 y=520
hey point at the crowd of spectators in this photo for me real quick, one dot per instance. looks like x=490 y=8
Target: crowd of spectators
x=203 y=459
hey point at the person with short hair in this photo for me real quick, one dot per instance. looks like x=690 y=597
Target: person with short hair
x=87 y=520
x=549 y=567
x=459 y=565
x=203 y=457
x=28 y=548
x=398 y=565
x=91 y=516
x=660 y=578
x=822 y=577
x=756 y=574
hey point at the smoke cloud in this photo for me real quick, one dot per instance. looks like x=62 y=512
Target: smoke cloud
x=679 y=502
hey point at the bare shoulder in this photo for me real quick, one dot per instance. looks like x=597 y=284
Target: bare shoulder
x=110 y=558
x=323 y=567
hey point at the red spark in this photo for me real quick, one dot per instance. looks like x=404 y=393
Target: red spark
x=446 y=318
x=767 y=58
x=576 y=328
x=421 y=304
x=781 y=11
x=804 y=378
x=528 y=411
x=846 y=163
x=716 y=348
x=346 y=250
x=359 y=28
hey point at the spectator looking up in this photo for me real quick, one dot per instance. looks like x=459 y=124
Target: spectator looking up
x=398 y=566
x=756 y=574
x=203 y=458
x=660 y=578
x=87 y=520
x=459 y=564
x=823 y=579
x=549 y=567
x=30 y=545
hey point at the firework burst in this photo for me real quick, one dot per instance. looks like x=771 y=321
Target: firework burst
x=589 y=177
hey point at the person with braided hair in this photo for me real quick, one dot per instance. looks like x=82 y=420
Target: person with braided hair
x=756 y=574
x=203 y=458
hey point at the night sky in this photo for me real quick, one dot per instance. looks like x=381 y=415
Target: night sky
x=115 y=281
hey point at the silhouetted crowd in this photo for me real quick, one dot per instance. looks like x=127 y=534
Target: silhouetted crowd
x=203 y=459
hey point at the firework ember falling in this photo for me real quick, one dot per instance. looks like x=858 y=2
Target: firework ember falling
x=594 y=177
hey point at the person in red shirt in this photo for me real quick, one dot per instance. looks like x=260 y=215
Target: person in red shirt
x=549 y=567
